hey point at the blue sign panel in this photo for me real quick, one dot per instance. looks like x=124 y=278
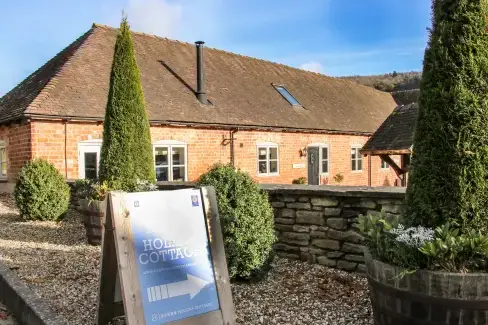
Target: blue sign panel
x=174 y=265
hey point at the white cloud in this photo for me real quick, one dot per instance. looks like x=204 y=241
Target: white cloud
x=313 y=66
x=188 y=20
x=157 y=17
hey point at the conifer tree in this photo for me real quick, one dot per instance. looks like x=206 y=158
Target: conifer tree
x=126 y=153
x=449 y=176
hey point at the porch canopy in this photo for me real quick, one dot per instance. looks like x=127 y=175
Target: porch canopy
x=394 y=137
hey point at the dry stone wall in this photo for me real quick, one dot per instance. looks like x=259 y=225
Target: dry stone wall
x=318 y=224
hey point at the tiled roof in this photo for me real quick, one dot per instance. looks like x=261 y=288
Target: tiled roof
x=396 y=132
x=75 y=84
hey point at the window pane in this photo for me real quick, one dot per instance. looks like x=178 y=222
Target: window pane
x=162 y=174
x=273 y=153
x=262 y=167
x=325 y=166
x=161 y=156
x=325 y=153
x=90 y=165
x=178 y=173
x=273 y=166
x=178 y=156
x=360 y=164
x=4 y=169
x=285 y=93
x=353 y=164
x=262 y=153
x=353 y=153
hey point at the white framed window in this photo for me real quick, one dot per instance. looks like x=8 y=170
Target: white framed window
x=356 y=158
x=3 y=160
x=89 y=158
x=324 y=159
x=170 y=160
x=384 y=164
x=268 y=159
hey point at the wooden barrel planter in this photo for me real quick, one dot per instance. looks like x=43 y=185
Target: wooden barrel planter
x=425 y=297
x=93 y=217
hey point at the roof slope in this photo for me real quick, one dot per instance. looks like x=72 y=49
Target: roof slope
x=75 y=84
x=396 y=132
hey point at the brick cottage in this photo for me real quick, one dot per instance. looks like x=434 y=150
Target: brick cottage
x=276 y=122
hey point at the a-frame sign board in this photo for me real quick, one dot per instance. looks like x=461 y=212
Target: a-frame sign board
x=163 y=260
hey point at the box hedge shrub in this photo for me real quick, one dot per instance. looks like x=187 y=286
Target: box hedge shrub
x=449 y=170
x=41 y=192
x=247 y=220
x=127 y=154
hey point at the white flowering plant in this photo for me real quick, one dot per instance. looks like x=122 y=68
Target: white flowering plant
x=417 y=247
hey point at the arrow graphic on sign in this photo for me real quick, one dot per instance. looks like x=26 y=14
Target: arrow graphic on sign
x=192 y=286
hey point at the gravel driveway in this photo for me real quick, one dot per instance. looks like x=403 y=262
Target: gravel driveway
x=55 y=261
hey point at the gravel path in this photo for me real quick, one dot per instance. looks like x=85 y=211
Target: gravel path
x=55 y=261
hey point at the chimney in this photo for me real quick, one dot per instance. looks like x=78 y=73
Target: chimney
x=201 y=95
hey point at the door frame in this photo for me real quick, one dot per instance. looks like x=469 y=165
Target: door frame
x=87 y=147
x=320 y=146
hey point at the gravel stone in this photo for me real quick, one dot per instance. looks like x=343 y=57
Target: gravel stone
x=58 y=265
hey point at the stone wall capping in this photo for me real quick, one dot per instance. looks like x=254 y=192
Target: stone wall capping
x=333 y=190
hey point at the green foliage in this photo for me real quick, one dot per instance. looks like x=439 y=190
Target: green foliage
x=448 y=181
x=94 y=190
x=453 y=252
x=447 y=250
x=41 y=192
x=383 y=245
x=126 y=153
x=300 y=180
x=246 y=217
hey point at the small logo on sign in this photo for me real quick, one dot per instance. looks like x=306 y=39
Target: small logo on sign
x=136 y=204
x=194 y=200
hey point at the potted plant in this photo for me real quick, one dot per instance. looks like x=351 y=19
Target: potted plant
x=91 y=196
x=430 y=266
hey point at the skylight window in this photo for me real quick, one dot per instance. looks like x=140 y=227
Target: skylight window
x=286 y=94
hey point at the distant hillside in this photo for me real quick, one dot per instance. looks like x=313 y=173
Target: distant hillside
x=390 y=82
x=403 y=86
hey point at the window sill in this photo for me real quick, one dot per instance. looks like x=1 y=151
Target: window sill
x=385 y=170
x=3 y=179
x=268 y=175
x=356 y=171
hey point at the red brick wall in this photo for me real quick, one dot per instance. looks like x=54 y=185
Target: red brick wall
x=17 y=137
x=205 y=148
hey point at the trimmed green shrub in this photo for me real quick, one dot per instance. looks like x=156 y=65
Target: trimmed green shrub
x=41 y=192
x=247 y=220
x=126 y=153
x=448 y=180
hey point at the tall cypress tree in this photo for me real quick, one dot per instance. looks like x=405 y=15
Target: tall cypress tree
x=126 y=153
x=449 y=177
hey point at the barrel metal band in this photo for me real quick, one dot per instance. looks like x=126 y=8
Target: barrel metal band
x=449 y=303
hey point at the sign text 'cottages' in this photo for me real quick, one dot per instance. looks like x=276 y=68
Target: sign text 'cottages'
x=163 y=260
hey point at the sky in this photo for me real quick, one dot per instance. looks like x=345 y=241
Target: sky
x=333 y=37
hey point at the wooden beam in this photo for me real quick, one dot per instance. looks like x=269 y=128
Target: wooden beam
x=374 y=152
x=398 y=170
